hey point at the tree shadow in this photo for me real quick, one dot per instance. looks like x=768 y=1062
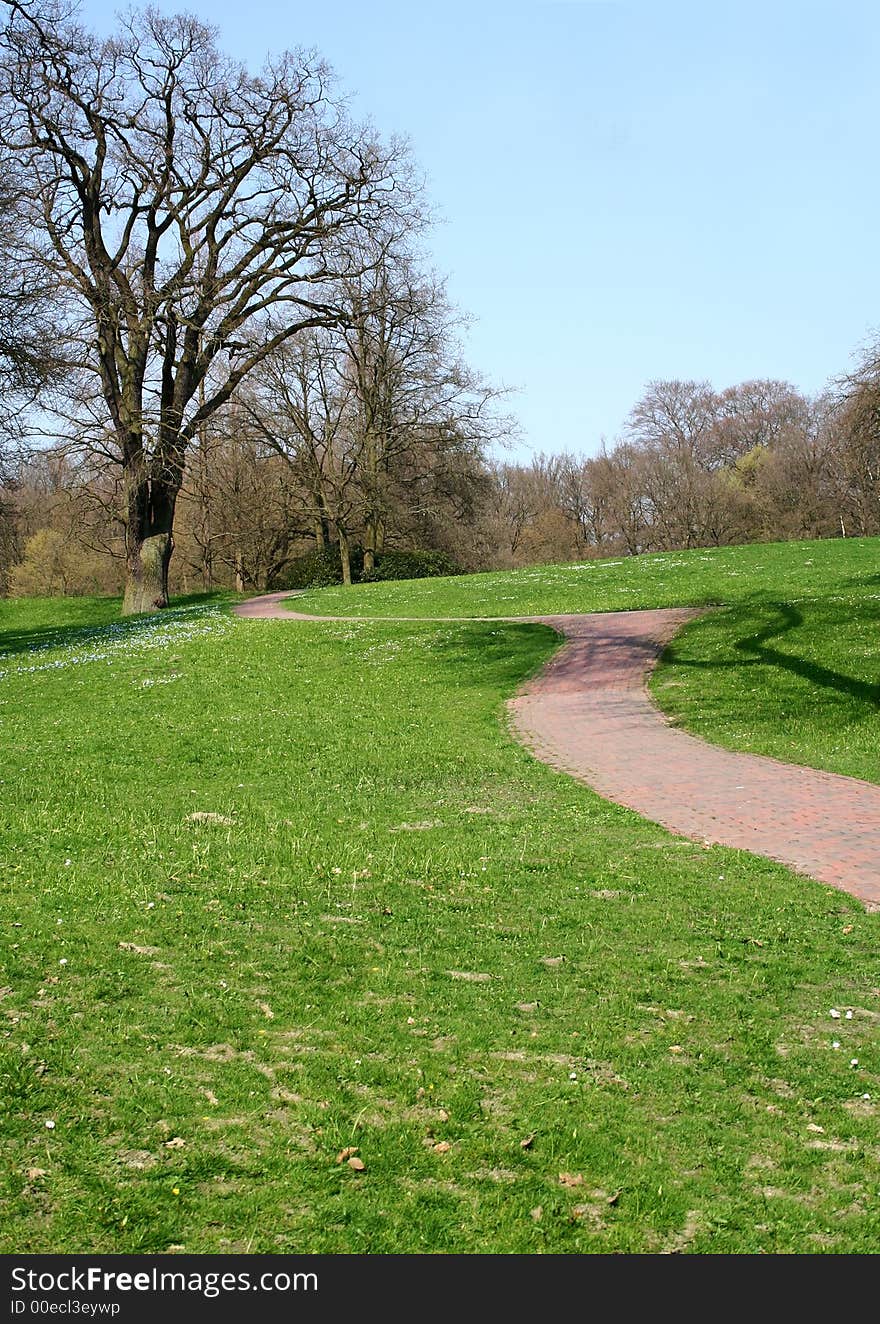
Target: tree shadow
x=757 y=650
x=498 y=654
x=862 y=581
x=43 y=638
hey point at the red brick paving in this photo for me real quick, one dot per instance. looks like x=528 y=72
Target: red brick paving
x=588 y=713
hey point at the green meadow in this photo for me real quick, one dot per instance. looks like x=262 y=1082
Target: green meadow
x=302 y=952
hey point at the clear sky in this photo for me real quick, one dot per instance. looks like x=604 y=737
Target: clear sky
x=629 y=191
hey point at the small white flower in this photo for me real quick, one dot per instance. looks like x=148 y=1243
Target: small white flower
x=50 y=1125
x=63 y=961
x=67 y=864
x=854 y=1061
x=849 y=1015
x=866 y=1096
x=572 y=1075
x=835 y=1043
x=834 y=1014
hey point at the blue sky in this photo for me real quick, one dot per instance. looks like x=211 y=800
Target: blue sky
x=629 y=191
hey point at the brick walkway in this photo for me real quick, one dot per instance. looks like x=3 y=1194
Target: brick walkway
x=589 y=714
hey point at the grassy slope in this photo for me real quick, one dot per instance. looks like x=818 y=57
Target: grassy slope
x=408 y=935
x=790 y=666
x=769 y=572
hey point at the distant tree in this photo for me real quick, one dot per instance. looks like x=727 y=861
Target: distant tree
x=196 y=216
x=54 y=565
x=857 y=454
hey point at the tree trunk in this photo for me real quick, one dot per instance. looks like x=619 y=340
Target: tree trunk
x=146 y=583
x=148 y=543
x=369 y=547
x=345 y=557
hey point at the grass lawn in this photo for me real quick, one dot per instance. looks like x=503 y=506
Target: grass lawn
x=278 y=896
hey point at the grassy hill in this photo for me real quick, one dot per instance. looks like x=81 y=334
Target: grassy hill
x=274 y=892
x=787 y=663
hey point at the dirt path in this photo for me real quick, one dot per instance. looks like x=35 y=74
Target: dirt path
x=589 y=714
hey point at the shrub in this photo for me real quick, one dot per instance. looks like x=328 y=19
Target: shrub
x=322 y=569
x=318 y=569
x=413 y=565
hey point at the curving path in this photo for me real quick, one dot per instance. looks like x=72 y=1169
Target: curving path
x=588 y=713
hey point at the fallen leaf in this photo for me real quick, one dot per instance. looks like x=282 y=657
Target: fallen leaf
x=528 y=1141
x=442 y=1147
x=819 y=1130
x=176 y=1142
x=537 y=1213
x=442 y=1115
x=346 y=1153
x=570 y=1179
x=266 y=1010
x=613 y=1198
x=552 y=960
x=34 y=1174
x=357 y=1164
x=847 y=928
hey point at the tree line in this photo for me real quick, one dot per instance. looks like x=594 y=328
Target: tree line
x=220 y=338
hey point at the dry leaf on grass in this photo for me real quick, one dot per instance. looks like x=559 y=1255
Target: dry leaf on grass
x=176 y=1142
x=528 y=1141
x=34 y=1174
x=346 y=1153
x=571 y=1179
x=442 y=1147
x=357 y=1164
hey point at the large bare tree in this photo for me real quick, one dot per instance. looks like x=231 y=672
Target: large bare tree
x=197 y=217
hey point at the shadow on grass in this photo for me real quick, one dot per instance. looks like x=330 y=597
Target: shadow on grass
x=756 y=648
x=494 y=654
x=102 y=617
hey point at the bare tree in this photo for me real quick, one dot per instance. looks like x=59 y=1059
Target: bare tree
x=30 y=354
x=184 y=201
x=417 y=404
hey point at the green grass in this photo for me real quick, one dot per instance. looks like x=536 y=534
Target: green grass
x=394 y=931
